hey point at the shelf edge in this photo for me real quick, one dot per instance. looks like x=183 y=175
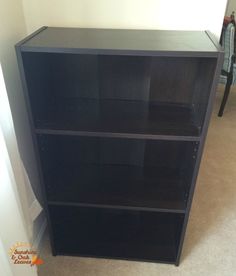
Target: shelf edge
x=117 y=135
x=147 y=260
x=121 y=207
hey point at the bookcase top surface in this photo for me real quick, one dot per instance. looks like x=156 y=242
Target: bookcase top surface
x=117 y=41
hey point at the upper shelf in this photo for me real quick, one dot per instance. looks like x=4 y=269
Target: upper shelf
x=116 y=41
x=119 y=118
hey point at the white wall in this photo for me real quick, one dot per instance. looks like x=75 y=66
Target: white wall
x=12 y=228
x=13 y=29
x=231 y=7
x=144 y=14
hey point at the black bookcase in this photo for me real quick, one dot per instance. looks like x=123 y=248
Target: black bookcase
x=119 y=119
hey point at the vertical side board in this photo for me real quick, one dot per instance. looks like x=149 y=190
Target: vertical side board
x=201 y=146
x=36 y=150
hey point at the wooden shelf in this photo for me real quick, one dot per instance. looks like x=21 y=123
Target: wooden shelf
x=121 y=117
x=115 y=41
x=116 y=233
x=117 y=172
x=124 y=187
x=119 y=120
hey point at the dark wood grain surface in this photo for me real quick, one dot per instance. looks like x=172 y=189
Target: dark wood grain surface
x=132 y=42
x=118 y=234
x=114 y=116
x=120 y=186
x=87 y=91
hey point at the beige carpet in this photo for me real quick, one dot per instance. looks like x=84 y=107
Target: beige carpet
x=210 y=244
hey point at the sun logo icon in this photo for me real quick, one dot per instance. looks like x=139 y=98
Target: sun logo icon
x=23 y=253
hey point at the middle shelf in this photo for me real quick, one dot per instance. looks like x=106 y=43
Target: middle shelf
x=117 y=173
x=119 y=186
x=140 y=118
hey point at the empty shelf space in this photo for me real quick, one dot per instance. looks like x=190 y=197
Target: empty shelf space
x=118 y=95
x=118 y=172
x=116 y=233
x=124 y=187
x=118 y=116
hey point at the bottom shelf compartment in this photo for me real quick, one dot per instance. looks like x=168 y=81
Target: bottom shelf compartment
x=122 y=234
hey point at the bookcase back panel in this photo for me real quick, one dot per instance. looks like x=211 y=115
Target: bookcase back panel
x=124 y=77
x=140 y=78
x=116 y=151
x=139 y=90
x=114 y=170
x=116 y=233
